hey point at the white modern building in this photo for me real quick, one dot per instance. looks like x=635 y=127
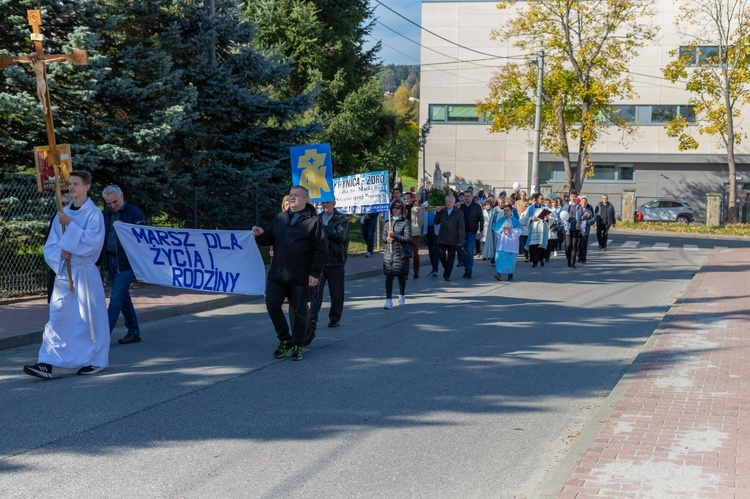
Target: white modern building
x=457 y=64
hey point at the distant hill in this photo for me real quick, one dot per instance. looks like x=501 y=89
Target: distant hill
x=393 y=76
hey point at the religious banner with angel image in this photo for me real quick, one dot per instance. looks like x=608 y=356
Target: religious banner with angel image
x=45 y=170
x=312 y=169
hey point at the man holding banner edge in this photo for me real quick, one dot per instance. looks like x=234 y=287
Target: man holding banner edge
x=300 y=252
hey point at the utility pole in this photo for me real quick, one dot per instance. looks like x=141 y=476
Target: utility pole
x=539 y=62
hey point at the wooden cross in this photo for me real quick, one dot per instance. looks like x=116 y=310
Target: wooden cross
x=38 y=62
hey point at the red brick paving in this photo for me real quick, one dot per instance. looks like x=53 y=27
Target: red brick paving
x=682 y=427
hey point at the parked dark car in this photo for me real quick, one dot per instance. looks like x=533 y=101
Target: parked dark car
x=665 y=210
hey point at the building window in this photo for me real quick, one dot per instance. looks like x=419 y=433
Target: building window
x=625 y=113
x=653 y=115
x=663 y=114
x=456 y=114
x=698 y=56
x=554 y=172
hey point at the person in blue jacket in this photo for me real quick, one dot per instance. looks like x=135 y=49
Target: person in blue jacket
x=119 y=271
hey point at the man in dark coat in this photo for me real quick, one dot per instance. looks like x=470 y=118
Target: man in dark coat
x=473 y=223
x=300 y=252
x=336 y=228
x=451 y=235
x=605 y=218
x=119 y=271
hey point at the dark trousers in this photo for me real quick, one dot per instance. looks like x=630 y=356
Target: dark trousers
x=298 y=295
x=522 y=246
x=447 y=258
x=368 y=233
x=572 y=241
x=469 y=243
x=432 y=246
x=551 y=246
x=415 y=252
x=536 y=253
x=583 y=250
x=335 y=278
x=602 y=232
x=389 y=285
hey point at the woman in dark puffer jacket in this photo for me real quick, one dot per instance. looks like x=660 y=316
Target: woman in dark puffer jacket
x=397 y=241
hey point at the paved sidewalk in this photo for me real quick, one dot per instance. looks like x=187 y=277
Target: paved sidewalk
x=681 y=420
x=22 y=322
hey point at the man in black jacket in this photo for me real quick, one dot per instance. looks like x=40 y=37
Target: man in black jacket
x=119 y=271
x=451 y=234
x=605 y=218
x=300 y=253
x=473 y=222
x=336 y=228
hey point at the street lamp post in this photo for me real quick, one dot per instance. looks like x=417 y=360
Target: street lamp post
x=424 y=131
x=539 y=62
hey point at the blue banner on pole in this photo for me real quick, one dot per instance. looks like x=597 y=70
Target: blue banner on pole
x=312 y=168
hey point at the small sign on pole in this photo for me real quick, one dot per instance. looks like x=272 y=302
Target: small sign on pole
x=45 y=167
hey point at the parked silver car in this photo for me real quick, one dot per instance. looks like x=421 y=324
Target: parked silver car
x=665 y=210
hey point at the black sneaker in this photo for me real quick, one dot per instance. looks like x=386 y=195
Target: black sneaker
x=296 y=353
x=90 y=370
x=281 y=349
x=333 y=323
x=129 y=338
x=40 y=370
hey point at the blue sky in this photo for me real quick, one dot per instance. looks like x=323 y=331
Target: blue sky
x=397 y=49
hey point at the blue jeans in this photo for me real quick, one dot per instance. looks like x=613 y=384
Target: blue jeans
x=469 y=244
x=119 y=298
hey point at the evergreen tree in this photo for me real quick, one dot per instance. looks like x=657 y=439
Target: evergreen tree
x=326 y=49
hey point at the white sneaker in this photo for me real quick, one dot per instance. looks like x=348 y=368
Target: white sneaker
x=554 y=253
x=401 y=300
x=388 y=304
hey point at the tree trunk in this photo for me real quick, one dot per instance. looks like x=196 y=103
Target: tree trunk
x=583 y=148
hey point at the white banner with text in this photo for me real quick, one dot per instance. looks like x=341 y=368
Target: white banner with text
x=362 y=193
x=217 y=261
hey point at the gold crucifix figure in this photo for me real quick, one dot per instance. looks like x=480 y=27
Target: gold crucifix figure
x=38 y=62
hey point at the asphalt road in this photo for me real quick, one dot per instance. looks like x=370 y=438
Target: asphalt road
x=473 y=389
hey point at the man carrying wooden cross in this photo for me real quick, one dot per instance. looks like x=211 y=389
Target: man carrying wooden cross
x=77 y=334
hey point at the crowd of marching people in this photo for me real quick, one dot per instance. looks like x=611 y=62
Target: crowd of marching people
x=500 y=229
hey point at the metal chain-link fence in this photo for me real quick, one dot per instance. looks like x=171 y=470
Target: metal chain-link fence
x=25 y=216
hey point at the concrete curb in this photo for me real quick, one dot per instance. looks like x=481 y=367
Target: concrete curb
x=35 y=337
x=560 y=475
x=666 y=233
